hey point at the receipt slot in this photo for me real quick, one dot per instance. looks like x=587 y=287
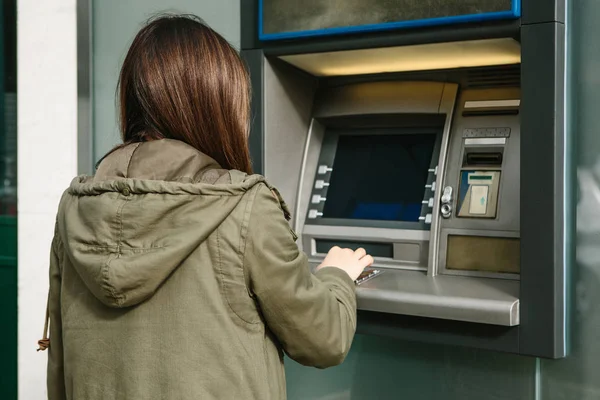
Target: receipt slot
x=437 y=165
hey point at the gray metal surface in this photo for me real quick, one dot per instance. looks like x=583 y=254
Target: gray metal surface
x=314 y=140
x=288 y=100
x=373 y=235
x=507 y=220
x=473 y=232
x=485 y=301
x=249 y=25
x=85 y=163
x=508 y=216
x=255 y=60
x=540 y=11
x=547 y=223
x=380 y=98
x=447 y=106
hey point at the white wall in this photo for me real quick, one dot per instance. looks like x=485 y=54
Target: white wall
x=115 y=23
x=47 y=161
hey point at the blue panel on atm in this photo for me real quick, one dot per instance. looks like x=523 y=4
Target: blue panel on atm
x=288 y=19
x=387 y=212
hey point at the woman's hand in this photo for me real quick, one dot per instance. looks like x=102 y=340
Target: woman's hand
x=348 y=260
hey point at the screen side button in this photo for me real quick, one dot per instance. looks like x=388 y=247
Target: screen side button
x=317 y=198
x=426 y=219
x=320 y=184
x=323 y=169
x=313 y=214
x=429 y=202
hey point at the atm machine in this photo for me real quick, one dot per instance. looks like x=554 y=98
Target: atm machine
x=427 y=181
x=441 y=151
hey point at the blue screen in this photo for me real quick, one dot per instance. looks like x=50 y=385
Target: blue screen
x=379 y=177
x=387 y=212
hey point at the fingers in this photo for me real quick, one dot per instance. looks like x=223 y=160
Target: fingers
x=348 y=252
x=360 y=253
x=366 y=261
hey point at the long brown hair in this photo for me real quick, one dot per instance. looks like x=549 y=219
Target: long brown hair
x=182 y=80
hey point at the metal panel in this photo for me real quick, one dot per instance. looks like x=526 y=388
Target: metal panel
x=375 y=235
x=288 y=102
x=485 y=301
x=545 y=204
x=508 y=218
x=380 y=98
x=539 y=11
x=372 y=234
x=84 y=88
x=508 y=215
x=249 y=25
x=472 y=232
x=255 y=63
x=439 y=331
x=314 y=140
x=447 y=107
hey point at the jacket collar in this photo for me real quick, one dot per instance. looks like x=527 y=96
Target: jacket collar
x=160 y=160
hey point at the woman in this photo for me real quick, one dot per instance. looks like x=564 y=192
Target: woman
x=174 y=273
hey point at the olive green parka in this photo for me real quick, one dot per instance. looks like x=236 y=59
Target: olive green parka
x=171 y=278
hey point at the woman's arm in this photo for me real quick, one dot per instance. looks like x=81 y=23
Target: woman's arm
x=313 y=316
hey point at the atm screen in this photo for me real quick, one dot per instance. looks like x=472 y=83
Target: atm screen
x=379 y=177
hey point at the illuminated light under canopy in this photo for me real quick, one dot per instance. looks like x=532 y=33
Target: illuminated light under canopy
x=424 y=57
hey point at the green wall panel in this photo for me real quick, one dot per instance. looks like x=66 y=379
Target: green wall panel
x=8 y=307
x=379 y=368
x=8 y=223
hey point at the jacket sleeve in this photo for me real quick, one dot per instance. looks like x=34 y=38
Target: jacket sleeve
x=313 y=316
x=55 y=378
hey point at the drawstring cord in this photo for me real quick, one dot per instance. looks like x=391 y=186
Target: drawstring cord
x=44 y=343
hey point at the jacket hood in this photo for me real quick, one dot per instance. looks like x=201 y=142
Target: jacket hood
x=149 y=206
